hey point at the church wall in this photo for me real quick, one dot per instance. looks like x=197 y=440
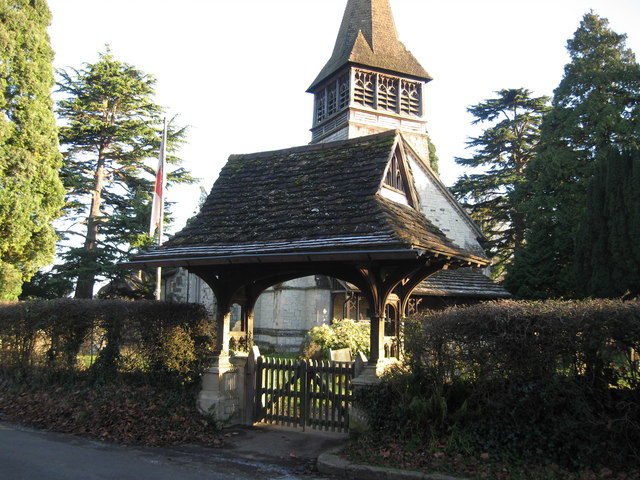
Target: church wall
x=283 y=314
x=437 y=206
x=286 y=312
x=181 y=286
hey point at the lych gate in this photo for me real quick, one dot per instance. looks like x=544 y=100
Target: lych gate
x=321 y=209
x=349 y=208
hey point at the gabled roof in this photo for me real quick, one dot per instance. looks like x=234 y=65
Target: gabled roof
x=368 y=37
x=313 y=199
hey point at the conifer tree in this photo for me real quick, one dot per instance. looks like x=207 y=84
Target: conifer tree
x=595 y=106
x=608 y=241
x=31 y=193
x=112 y=126
x=503 y=151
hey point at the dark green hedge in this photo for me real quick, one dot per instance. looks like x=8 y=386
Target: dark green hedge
x=105 y=338
x=546 y=381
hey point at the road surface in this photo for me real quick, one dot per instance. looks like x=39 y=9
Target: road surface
x=27 y=454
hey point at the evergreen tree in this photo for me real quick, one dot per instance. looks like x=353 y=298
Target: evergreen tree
x=31 y=194
x=112 y=126
x=608 y=241
x=503 y=151
x=595 y=106
x=46 y=285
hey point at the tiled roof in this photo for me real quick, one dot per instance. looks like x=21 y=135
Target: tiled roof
x=316 y=198
x=464 y=282
x=368 y=36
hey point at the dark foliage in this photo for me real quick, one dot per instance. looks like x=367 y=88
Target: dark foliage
x=502 y=151
x=594 y=109
x=548 y=383
x=107 y=338
x=608 y=240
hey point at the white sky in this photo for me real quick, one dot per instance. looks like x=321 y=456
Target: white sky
x=236 y=71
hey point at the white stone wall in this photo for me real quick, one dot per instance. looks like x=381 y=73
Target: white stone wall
x=285 y=312
x=182 y=286
x=442 y=209
x=282 y=316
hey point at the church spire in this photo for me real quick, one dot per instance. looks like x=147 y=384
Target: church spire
x=368 y=37
x=371 y=83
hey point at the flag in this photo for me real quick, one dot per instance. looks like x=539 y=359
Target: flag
x=157 y=207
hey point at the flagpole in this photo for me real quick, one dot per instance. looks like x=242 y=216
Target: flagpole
x=161 y=176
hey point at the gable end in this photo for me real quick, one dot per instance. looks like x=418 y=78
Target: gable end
x=397 y=182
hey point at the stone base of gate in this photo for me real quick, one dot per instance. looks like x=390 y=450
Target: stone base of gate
x=368 y=375
x=223 y=390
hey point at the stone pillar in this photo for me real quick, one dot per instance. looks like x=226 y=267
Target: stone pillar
x=218 y=397
x=222 y=393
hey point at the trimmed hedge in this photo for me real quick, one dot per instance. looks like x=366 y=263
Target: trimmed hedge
x=541 y=381
x=106 y=337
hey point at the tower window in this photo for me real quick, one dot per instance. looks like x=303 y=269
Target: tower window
x=364 y=88
x=332 y=99
x=343 y=92
x=321 y=106
x=410 y=98
x=388 y=93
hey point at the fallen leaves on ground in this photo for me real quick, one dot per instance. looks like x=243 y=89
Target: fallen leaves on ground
x=119 y=413
x=480 y=466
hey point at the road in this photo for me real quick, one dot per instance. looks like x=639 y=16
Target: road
x=27 y=454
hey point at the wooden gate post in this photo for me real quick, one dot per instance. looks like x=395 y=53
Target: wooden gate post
x=251 y=377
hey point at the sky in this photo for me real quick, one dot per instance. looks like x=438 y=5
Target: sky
x=236 y=71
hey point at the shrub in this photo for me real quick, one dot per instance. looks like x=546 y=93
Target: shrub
x=170 y=341
x=340 y=334
x=544 y=381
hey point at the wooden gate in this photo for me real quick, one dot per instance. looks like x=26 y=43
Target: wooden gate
x=303 y=393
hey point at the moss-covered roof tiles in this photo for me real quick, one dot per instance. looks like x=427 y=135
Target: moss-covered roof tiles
x=464 y=282
x=315 y=198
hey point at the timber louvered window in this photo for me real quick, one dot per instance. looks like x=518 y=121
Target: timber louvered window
x=388 y=93
x=343 y=92
x=370 y=89
x=332 y=99
x=410 y=98
x=321 y=106
x=394 y=175
x=364 y=88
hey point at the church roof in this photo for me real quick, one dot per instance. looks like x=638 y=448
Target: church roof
x=368 y=37
x=463 y=282
x=313 y=200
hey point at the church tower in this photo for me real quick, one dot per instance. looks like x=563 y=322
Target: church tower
x=371 y=83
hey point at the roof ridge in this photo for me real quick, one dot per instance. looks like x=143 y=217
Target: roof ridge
x=316 y=146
